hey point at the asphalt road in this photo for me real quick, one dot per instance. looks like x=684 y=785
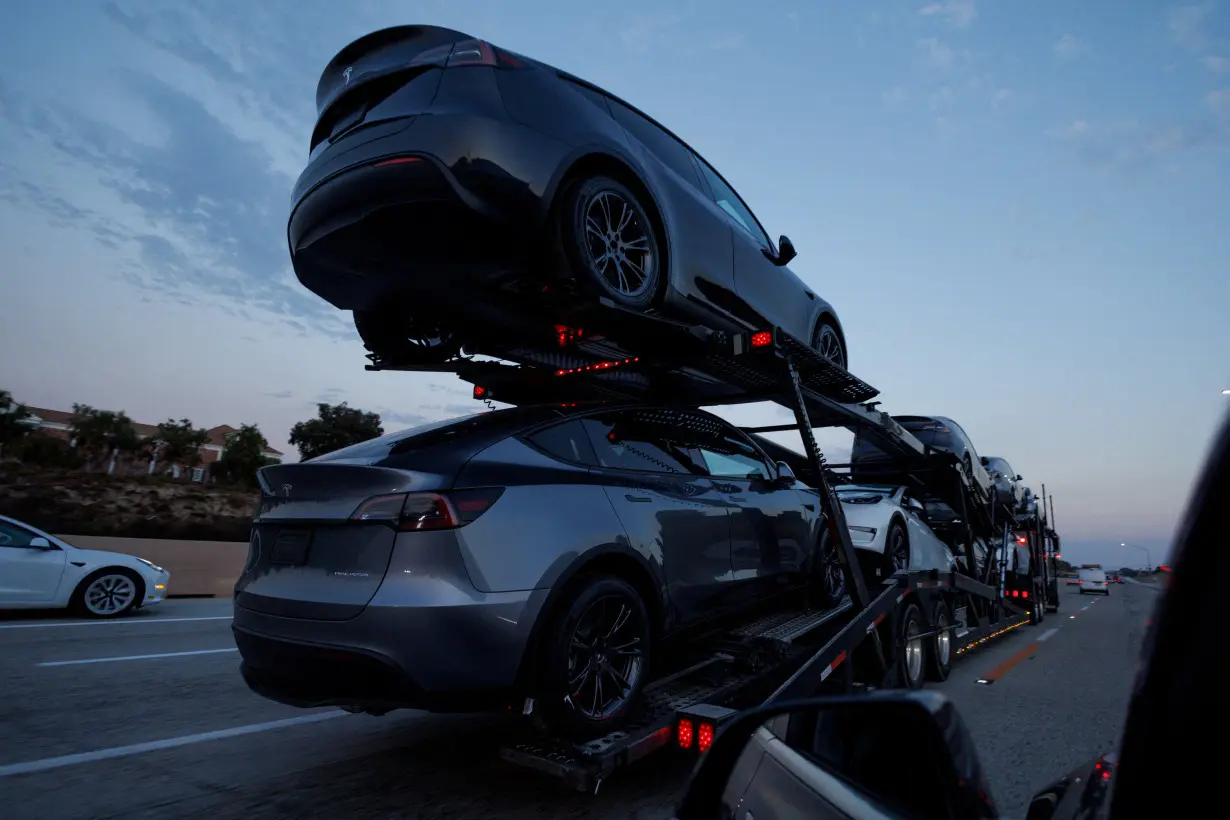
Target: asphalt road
x=91 y=727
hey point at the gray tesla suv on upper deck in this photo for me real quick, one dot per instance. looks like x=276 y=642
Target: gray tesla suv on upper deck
x=543 y=552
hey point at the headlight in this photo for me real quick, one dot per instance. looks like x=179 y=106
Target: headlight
x=151 y=565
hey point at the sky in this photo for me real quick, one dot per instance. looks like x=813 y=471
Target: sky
x=1018 y=209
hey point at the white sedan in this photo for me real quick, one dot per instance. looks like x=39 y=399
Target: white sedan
x=40 y=571
x=885 y=519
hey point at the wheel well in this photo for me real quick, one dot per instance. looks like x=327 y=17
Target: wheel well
x=130 y=572
x=615 y=564
x=592 y=165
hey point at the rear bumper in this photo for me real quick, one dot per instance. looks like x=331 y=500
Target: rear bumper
x=442 y=655
x=418 y=207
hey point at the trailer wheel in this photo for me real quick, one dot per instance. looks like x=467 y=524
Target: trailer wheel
x=939 y=652
x=913 y=650
x=1035 y=609
x=596 y=662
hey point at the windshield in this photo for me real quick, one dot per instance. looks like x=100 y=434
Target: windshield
x=1095 y=575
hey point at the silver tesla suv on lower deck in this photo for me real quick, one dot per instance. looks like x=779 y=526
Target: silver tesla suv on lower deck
x=551 y=552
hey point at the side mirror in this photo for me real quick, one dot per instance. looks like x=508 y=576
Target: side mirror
x=984 y=461
x=38 y=542
x=1018 y=478
x=914 y=504
x=785 y=475
x=907 y=753
x=785 y=251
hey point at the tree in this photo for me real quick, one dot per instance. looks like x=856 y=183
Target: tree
x=177 y=442
x=14 y=424
x=243 y=455
x=103 y=434
x=336 y=426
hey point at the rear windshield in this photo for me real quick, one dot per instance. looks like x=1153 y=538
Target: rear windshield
x=495 y=422
x=998 y=465
x=1095 y=575
x=927 y=431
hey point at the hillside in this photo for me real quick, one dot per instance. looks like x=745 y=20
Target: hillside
x=81 y=503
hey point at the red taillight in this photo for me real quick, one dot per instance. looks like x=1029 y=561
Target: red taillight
x=567 y=335
x=396 y=161
x=704 y=737
x=480 y=392
x=1020 y=540
x=762 y=338
x=1016 y=594
x=1024 y=593
x=684 y=733
x=418 y=512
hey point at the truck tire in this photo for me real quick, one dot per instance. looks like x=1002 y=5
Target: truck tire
x=595 y=662
x=939 y=649
x=911 y=659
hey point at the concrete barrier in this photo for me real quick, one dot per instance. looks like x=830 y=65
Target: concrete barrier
x=196 y=567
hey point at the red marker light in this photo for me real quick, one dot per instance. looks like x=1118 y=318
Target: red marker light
x=704 y=738
x=762 y=338
x=1020 y=540
x=685 y=733
x=480 y=392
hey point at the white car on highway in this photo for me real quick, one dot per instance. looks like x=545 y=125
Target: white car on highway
x=40 y=571
x=1093 y=580
x=886 y=519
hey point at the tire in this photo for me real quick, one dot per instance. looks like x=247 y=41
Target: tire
x=1035 y=609
x=826 y=341
x=911 y=663
x=939 y=648
x=394 y=336
x=610 y=242
x=572 y=703
x=108 y=593
x=896 y=549
x=827 y=584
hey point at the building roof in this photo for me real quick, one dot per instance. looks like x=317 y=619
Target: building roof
x=214 y=435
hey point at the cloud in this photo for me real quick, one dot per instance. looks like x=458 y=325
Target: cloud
x=958 y=13
x=1128 y=145
x=895 y=95
x=1001 y=97
x=937 y=54
x=650 y=30
x=1069 y=47
x=1216 y=65
x=1219 y=102
x=1186 y=25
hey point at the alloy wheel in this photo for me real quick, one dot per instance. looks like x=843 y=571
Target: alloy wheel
x=828 y=344
x=620 y=244
x=943 y=639
x=898 y=550
x=110 y=594
x=605 y=658
x=913 y=650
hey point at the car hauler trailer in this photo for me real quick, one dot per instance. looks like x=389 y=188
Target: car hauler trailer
x=894 y=631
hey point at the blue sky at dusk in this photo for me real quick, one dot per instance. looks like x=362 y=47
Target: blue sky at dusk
x=1021 y=210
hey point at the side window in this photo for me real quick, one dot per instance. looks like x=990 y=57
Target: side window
x=729 y=201
x=634 y=440
x=591 y=95
x=567 y=441
x=665 y=147
x=11 y=536
x=730 y=458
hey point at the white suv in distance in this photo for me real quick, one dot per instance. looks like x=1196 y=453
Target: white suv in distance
x=1093 y=580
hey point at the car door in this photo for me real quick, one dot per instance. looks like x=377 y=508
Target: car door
x=771 y=290
x=769 y=531
x=28 y=575
x=670 y=509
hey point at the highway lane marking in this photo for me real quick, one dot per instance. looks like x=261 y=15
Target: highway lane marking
x=1046 y=635
x=126 y=621
x=47 y=763
x=1006 y=666
x=138 y=657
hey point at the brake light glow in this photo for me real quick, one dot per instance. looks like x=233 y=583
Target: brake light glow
x=684 y=733
x=480 y=392
x=598 y=366
x=1024 y=593
x=1016 y=594
x=704 y=737
x=396 y=161
x=1021 y=540
x=762 y=338
x=566 y=335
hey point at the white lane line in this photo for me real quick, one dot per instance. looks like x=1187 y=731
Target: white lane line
x=138 y=657
x=157 y=745
x=1046 y=635
x=124 y=621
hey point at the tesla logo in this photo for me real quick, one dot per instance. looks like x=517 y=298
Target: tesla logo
x=346 y=74
x=286 y=488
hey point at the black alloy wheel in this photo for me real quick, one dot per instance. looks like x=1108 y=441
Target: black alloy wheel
x=896 y=549
x=828 y=575
x=827 y=342
x=610 y=240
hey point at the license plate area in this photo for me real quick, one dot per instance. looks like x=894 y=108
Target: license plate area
x=290 y=548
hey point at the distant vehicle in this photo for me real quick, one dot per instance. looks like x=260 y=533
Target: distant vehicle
x=1115 y=579
x=578 y=543
x=937 y=432
x=1093 y=579
x=1009 y=490
x=1073 y=580
x=40 y=571
x=446 y=174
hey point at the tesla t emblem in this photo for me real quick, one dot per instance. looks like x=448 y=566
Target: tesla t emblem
x=346 y=74
x=286 y=488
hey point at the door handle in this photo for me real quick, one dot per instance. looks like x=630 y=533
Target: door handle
x=809 y=507
x=642 y=498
